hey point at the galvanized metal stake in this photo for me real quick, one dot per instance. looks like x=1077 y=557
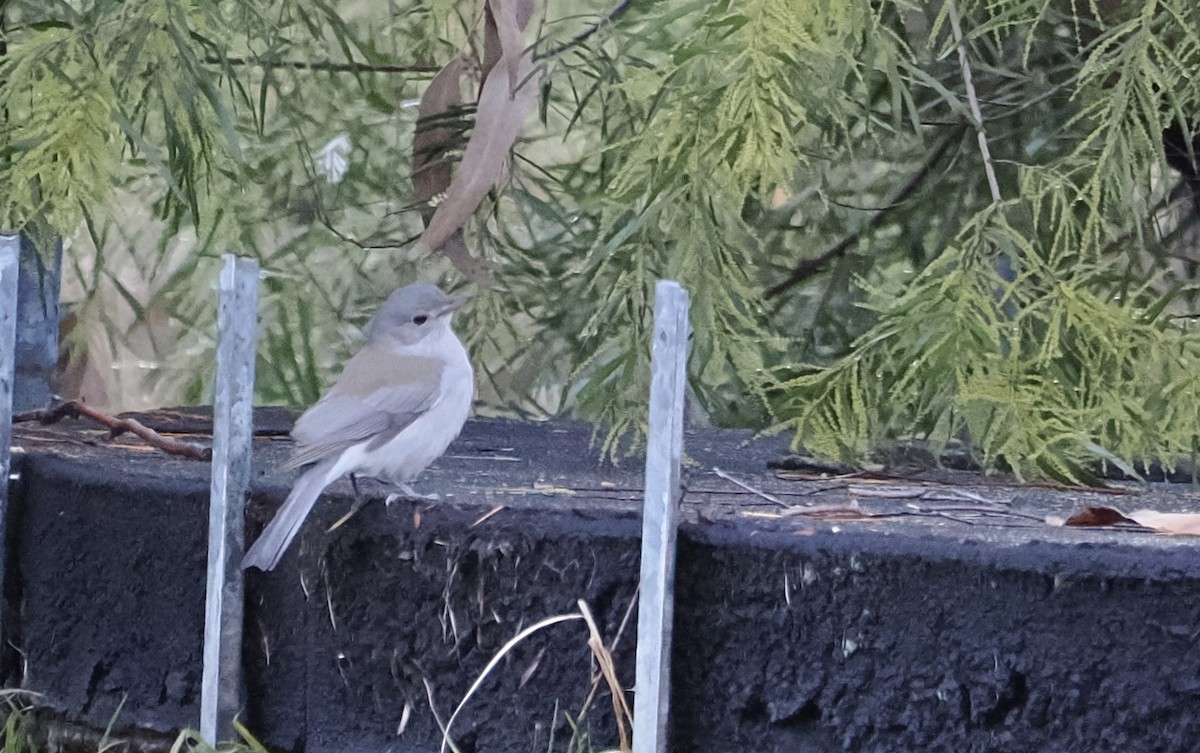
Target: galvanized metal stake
x=237 y=326
x=660 y=517
x=10 y=246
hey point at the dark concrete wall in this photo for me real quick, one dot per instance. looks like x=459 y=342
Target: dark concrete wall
x=859 y=647
x=793 y=634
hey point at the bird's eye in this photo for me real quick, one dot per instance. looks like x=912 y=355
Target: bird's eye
x=420 y=319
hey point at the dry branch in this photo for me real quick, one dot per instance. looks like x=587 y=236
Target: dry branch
x=116 y=427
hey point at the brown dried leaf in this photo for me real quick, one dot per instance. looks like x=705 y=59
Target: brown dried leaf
x=1097 y=516
x=492 y=50
x=503 y=22
x=498 y=122
x=505 y=101
x=507 y=29
x=1176 y=523
x=431 y=169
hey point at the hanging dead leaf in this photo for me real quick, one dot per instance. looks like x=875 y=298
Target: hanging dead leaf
x=523 y=10
x=505 y=102
x=499 y=119
x=492 y=51
x=433 y=138
x=502 y=37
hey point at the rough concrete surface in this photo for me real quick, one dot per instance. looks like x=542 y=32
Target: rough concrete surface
x=939 y=613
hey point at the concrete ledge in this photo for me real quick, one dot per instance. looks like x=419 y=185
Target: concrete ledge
x=944 y=630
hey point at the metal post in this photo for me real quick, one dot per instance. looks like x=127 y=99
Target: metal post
x=38 y=283
x=9 y=269
x=237 y=324
x=660 y=517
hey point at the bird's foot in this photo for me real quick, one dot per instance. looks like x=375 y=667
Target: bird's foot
x=403 y=491
x=406 y=492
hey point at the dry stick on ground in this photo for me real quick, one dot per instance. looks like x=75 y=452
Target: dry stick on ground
x=604 y=660
x=806 y=268
x=855 y=512
x=757 y=492
x=116 y=427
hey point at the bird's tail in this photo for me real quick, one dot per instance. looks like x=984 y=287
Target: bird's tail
x=269 y=549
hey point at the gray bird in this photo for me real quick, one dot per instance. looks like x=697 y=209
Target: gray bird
x=396 y=407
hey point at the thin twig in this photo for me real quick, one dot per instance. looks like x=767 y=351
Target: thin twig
x=582 y=36
x=855 y=512
x=806 y=268
x=486 y=515
x=322 y=65
x=769 y=497
x=920 y=490
x=1003 y=512
x=364 y=245
x=329 y=600
x=116 y=427
x=973 y=100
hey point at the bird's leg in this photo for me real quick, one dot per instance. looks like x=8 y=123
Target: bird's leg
x=359 y=501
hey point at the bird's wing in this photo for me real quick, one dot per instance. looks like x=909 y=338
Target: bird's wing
x=379 y=393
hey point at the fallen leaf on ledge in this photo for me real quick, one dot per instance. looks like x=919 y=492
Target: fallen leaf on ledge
x=1175 y=523
x=1179 y=523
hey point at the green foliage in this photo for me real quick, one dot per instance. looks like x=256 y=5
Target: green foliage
x=83 y=88
x=16 y=736
x=55 y=161
x=20 y=719
x=743 y=91
x=1132 y=83
x=811 y=171
x=189 y=741
x=1043 y=374
x=1071 y=363
x=204 y=123
x=707 y=106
